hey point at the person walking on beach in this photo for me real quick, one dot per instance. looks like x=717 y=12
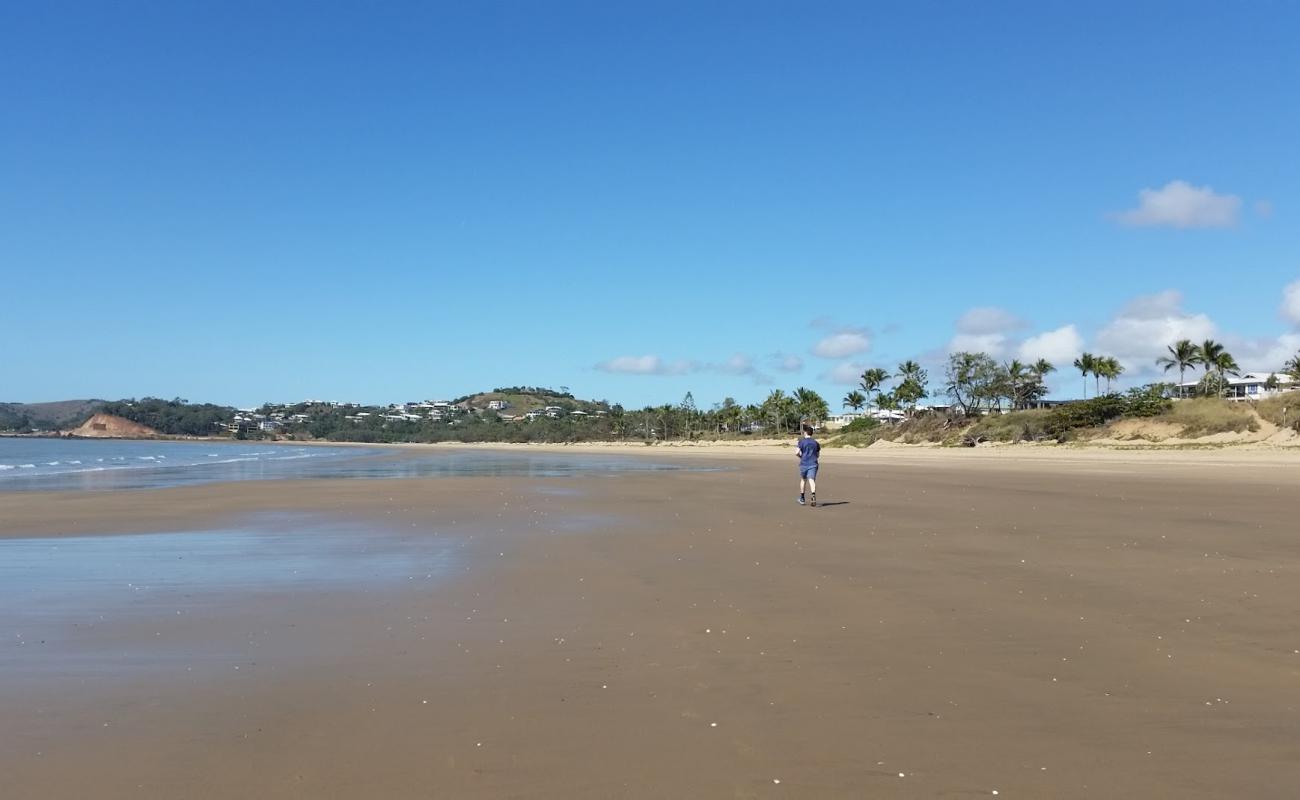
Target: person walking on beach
x=809 y=452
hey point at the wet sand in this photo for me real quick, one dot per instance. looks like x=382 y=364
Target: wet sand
x=939 y=628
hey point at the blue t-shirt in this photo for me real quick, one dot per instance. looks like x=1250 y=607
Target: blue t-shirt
x=809 y=450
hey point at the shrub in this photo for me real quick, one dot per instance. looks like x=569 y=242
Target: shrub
x=1148 y=401
x=1091 y=413
x=926 y=427
x=1283 y=410
x=861 y=425
x=1015 y=426
x=1210 y=415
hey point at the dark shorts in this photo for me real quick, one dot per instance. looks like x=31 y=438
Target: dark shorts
x=808 y=472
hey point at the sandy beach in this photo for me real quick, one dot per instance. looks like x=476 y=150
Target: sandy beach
x=947 y=624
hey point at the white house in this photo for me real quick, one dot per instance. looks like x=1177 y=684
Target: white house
x=498 y=405
x=1251 y=385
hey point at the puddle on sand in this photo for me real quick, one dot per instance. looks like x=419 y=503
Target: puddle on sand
x=76 y=605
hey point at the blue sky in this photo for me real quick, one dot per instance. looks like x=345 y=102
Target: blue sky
x=241 y=202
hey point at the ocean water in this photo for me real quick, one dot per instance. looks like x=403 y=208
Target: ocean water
x=30 y=464
x=76 y=606
x=55 y=464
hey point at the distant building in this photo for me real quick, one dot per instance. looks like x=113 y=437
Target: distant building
x=1251 y=386
x=498 y=405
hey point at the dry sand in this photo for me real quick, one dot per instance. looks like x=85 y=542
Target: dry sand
x=943 y=627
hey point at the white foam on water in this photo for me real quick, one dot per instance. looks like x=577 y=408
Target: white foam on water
x=6 y=466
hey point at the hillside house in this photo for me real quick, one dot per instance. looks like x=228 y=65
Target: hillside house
x=498 y=405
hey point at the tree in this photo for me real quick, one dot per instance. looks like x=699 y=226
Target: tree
x=1218 y=364
x=1018 y=378
x=855 y=400
x=689 y=412
x=972 y=378
x=1109 y=368
x=1182 y=354
x=912 y=387
x=872 y=380
x=810 y=406
x=1037 y=388
x=1292 y=367
x=1086 y=364
x=775 y=407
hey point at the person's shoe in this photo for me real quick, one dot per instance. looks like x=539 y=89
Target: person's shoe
x=814 y=501
x=801 y=501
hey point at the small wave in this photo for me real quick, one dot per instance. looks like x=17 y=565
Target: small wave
x=231 y=460
x=146 y=458
x=212 y=455
x=26 y=466
x=290 y=458
x=6 y=466
x=51 y=463
x=74 y=462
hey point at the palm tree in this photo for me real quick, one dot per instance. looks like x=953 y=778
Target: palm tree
x=872 y=380
x=1110 y=369
x=1041 y=367
x=1017 y=375
x=810 y=406
x=855 y=400
x=1218 y=362
x=1182 y=354
x=774 y=408
x=911 y=387
x=1085 y=363
x=1292 y=367
x=1207 y=353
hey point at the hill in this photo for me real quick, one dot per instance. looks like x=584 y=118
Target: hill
x=107 y=426
x=55 y=416
x=522 y=399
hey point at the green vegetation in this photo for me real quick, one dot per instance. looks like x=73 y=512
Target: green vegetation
x=1208 y=416
x=31 y=417
x=176 y=417
x=1283 y=411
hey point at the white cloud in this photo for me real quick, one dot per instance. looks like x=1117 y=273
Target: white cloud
x=984 y=320
x=1263 y=355
x=738 y=364
x=1178 y=204
x=984 y=329
x=1291 y=303
x=994 y=344
x=786 y=362
x=847 y=373
x=842 y=343
x=1060 y=346
x=645 y=365
x=1141 y=331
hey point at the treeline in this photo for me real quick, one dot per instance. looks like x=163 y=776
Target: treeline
x=175 y=417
